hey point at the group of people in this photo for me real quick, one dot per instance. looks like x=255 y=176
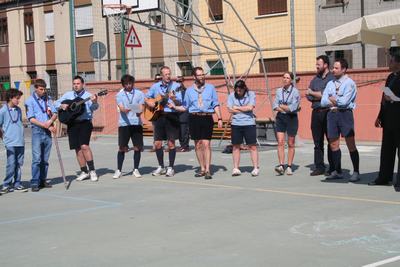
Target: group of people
x=332 y=96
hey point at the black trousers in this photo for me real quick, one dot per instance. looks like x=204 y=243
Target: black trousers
x=184 y=135
x=319 y=131
x=390 y=145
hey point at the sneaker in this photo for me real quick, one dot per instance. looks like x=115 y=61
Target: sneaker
x=35 y=189
x=289 y=170
x=82 y=176
x=136 y=173
x=170 y=172
x=355 y=177
x=20 y=188
x=117 y=174
x=334 y=175
x=280 y=170
x=207 y=176
x=93 y=176
x=255 y=172
x=236 y=172
x=6 y=190
x=160 y=171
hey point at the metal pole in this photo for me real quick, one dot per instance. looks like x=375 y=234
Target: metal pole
x=362 y=45
x=123 y=58
x=293 y=39
x=133 y=62
x=108 y=51
x=99 y=60
x=72 y=36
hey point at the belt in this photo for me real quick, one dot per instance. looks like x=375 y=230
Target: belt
x=321 y=109
x=202 y=113
x=340 y=109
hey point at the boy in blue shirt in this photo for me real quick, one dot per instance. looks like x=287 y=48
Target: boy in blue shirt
x=12 y=133
x=41 y=113
x=130 y=103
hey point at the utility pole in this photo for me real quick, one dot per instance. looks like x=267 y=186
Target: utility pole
x=72 y=36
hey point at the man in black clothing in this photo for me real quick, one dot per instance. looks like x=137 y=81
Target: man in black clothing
x=184 y=120
x=388 y=119
x=319 y=114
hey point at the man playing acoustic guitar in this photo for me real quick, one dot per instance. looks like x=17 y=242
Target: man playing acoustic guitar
x=167 y=126
x=80 y=130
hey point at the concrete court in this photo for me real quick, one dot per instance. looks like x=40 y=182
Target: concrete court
x=185 y=221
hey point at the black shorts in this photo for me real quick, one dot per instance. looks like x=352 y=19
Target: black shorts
x=79 y=133
x=167 y=127
x=340 y=122
x=287 y=123
x=201 y=127
x=131 y=132
x=248 y=133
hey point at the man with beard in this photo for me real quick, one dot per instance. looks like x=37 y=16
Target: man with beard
x=201 y=100
x=319 y=114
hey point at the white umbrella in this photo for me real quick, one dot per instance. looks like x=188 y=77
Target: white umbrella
x=377 y=29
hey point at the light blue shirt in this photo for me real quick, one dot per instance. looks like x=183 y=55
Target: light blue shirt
x=126 y=98
x=13 y=132
x=162 y=89
x=243 y=118
x=344 y=90
x=37 y=108
x=209 y=98
x=289 y=97
x=90 y=107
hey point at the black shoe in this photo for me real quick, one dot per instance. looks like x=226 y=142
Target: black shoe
x=317 y=172
x=377 y=182
x=200 y=174
x=45 y=185
x=35 y=189
x=397 y=188
x=207 y=176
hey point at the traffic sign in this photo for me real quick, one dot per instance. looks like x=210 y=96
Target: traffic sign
x=97 y=50
x=133 y=39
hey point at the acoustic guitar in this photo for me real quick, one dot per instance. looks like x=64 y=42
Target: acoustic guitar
x=152 y=114
x=75 y=108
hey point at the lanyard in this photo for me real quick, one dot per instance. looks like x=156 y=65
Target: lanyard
x=80 y=93
x=11 y=117
x=43 y=109
x=283 y=95
x=244 y=101
x=130 y=100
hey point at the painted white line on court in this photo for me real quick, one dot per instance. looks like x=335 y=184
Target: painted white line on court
x=383 y=262
x=278 y=191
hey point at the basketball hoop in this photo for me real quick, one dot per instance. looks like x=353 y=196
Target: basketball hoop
x=116 y=12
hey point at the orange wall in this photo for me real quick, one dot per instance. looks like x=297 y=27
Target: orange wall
x=369 y=83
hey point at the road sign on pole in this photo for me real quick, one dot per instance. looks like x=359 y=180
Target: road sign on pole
x=132 y=40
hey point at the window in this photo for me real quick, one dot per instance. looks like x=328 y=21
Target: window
x=338 y=54
x=215 y=67
x=89 y=76
x=28 y=22
x=52 y=85
x=83 y=20
x=216 y=10
x=155 y=68
x=183 y=11
x=266 y=7
x=3 y=31
x=3 y=78
x=119 y=71
x=49 y=21
x=186 y=68
x=157 y=19
x=280 y=64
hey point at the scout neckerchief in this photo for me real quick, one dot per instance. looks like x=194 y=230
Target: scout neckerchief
x=130 y=100
x=11 y=117
x=244 y=98
x=200 y=96
x=45 y=108
x=80 y=94
x=289 y=90
x=167 y=86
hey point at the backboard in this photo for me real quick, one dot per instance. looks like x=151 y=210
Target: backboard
x=137 y=6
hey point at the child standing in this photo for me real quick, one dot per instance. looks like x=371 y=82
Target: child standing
x=12 y=132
